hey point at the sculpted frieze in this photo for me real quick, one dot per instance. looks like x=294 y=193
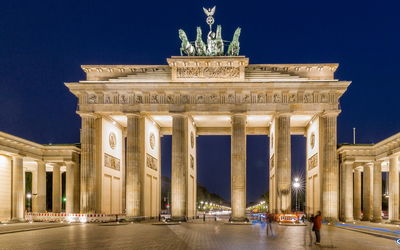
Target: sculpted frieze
x=155 y=98
x=313 y=161
x=123 y=99
x=308 y=98
x=170 y=99
x=231 y=98
x=261 y=98
x=277 y=98
x=111 y=162
x=151 y=162
x=92 y=99
x=208 y=72
x=246 y=98
x=208 y=98
x=185 y=99
x=139 y=99
x=292 y=98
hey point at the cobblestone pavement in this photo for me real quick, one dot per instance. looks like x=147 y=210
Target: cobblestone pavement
x=189 y=236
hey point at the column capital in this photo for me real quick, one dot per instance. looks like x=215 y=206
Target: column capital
x=40 y=161
x=178 y=114
x=394 y=156
x=330 y=113
x=281 y=114
x=132 y=114
x=87 y=114
x=348 y=161
x=370 y=164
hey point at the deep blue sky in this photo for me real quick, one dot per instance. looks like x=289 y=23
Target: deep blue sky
x=43 y=44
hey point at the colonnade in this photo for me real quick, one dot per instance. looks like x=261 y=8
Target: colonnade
x=366 y=204
x=181 y=192
x=39 y=193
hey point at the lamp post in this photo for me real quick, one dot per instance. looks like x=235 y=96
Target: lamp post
x=29 y=197
x=296 y=186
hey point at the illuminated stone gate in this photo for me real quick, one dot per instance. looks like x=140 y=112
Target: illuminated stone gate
x=125 y=109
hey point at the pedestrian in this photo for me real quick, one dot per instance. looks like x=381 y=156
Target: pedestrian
x=317 y=227
x=311 y=219
x=269 y=224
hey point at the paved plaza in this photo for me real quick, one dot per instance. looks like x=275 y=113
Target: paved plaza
x=213 y=235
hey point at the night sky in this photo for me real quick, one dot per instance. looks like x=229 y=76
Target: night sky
x=43 y=44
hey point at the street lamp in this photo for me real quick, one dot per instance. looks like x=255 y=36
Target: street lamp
x=29 y=197
x=296 y=186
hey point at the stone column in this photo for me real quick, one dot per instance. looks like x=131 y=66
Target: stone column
x=394 y=189
x=377 y=192
x=367 y=191
x=330 y=170
x=238 y=167
x=133 y=187
x=178 y=168
x=56 y=189
x=88 y=164
x=40 y=194
x=34 y=191
x=357 y=194
x=283 y=163
x=18 y=196
x=77 y=187
x=70 y=184
x=347 y=198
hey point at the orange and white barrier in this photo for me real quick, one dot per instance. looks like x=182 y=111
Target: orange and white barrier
x=69 y=218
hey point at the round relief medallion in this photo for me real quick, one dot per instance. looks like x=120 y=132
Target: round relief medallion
x=112 y=140
x=152 y=140
x=191 y=139
x=312 y=140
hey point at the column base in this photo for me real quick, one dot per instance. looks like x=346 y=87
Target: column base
x=238 y=219
x=376 y=220
x=330 y=219
x=348 y=220
x=397 y=222
x=178 y=219
x=16 y=220
x=366 y=219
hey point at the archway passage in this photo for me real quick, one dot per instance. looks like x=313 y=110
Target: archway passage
x=257 y=168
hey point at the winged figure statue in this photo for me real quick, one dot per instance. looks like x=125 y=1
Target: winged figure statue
x=209 y=11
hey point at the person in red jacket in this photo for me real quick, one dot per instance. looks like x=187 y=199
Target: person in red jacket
x=317 y=227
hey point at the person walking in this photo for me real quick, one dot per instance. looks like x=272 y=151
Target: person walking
x=317 y=227
x=269 y=224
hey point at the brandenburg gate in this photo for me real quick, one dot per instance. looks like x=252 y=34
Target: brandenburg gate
x=125 y=109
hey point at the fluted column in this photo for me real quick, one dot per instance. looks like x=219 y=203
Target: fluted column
x=77 y=187
x=377 y=192
x=394 y=189
x=56 y=189
x=357 y=194
x=178 y=168
x=367 y=192
x=283 y=163
x=18 y=196
x=330 y=170
x=88 y=164
x=39 y=205
x=133 y=187
x=34 y=191
x=70 y=184
x=347 y=199
x=238 y=167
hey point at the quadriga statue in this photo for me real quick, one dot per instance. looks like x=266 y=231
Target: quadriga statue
x=201 y=48
x=234 y=48
x=186 y=47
